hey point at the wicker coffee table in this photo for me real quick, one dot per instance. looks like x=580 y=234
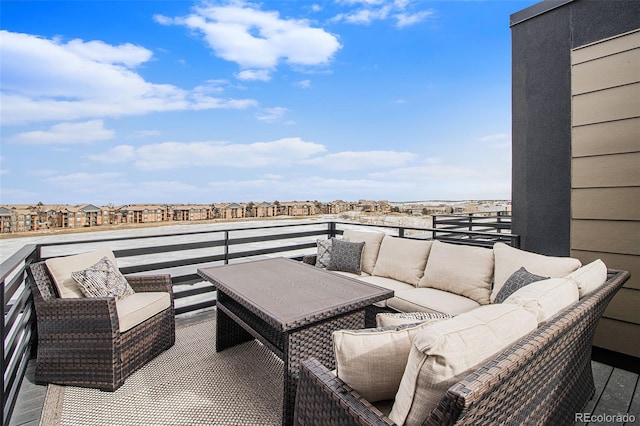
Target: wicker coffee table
x=290 y=307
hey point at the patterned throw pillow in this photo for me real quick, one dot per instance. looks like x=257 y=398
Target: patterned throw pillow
x=324 y=253
x=103 y=280
x=346 y=256
x=515 y=282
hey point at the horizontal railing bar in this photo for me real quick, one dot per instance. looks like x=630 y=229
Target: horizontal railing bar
x=12 y=286
x=170 y=264
x=185 y=279
x=272 y=250
x=201 y=305
x=26 y=253
x=163 y=249
x=14 y=311
x=193 y=291
x=246 y=240
x=178 y=234
x=15 y=339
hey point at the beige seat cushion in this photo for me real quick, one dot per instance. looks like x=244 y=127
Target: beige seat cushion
x=431 y=300
x=545 y=298
x=62 y=267
x=139 y=307
x=402 y=259
x=372 y=241
x=589 y=277
x=351 y=274
x=460 y=269
x=447 y=351
x=372 y=361
x=388 y=283
x=508 y=260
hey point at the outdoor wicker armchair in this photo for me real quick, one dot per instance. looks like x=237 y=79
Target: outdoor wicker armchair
x=79 y=339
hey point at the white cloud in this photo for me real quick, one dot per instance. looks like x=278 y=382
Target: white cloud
x=430 y=169
x=67 y=133
x=48 y=79
x=254 y=75
x=256 y=39
x=272 y=115
x=350 y=160
x=174 y=155
x=303 y=84
x=368 y=11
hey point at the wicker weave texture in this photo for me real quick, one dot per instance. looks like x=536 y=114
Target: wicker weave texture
x=79 y=341
x=544 y=378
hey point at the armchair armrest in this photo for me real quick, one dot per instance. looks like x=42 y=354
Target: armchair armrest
x=75 y=317
x=324 y=399
x=146 y=283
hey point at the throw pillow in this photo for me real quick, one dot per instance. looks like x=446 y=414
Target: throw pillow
x=324 y=253
x=372 y=241
x=103 y=280
x=388 y=319
x=402 y=259
x=62 y=267
x=372 y=361
x=589 y=277
x=447 y=351
x=509 y=260
x=444 y=270
x=515 y=282
x=346 y=256
x=546 y=298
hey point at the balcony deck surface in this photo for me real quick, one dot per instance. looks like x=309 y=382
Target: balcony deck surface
x=617 y=391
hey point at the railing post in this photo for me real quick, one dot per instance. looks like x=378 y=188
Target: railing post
x=401 y=232
x=434 y=223
x=226 y=247
x=470 y=221
x=332 y=229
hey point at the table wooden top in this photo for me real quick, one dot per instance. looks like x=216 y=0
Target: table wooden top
x=289 y=294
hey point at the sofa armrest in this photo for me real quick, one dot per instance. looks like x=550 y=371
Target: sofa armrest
x=146 y=283
x=309 y=259
x=324 y=399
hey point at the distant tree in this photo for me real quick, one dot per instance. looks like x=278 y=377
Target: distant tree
x=425 y=211
x=249 y=208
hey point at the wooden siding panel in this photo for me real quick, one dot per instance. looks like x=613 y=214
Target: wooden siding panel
x=617 y=103
x=618 y=336
x=625 y=306
x=606 y=47
x=612 y=137
x=606 y=236
x=606 y=72
x=606 y=203
x=606 y=171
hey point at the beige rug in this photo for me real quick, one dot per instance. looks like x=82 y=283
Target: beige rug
x=189 y=384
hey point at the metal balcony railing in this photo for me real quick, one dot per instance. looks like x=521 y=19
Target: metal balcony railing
x=180 y=255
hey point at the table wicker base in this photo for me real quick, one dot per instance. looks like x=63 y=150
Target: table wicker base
x=235 y=324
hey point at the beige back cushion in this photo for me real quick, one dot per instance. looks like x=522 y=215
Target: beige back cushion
x=589 y=277
x=447 y=351
x=372 y=241
x=372 y=361
x=546 y=298
x=62 y=267
x=509 y=260
x=460 y=269
x=402 y=259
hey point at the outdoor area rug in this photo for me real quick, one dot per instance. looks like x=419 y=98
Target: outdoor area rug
x=189 y=384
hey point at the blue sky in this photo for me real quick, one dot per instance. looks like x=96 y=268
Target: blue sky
x=198 y=102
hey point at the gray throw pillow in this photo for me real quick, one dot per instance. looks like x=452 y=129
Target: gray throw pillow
x=324 y=253
x=515 y=282
x=346 y=256
x=103 y=280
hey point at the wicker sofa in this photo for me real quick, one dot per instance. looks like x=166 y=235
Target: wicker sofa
x=98 y=341
x=543 y=378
